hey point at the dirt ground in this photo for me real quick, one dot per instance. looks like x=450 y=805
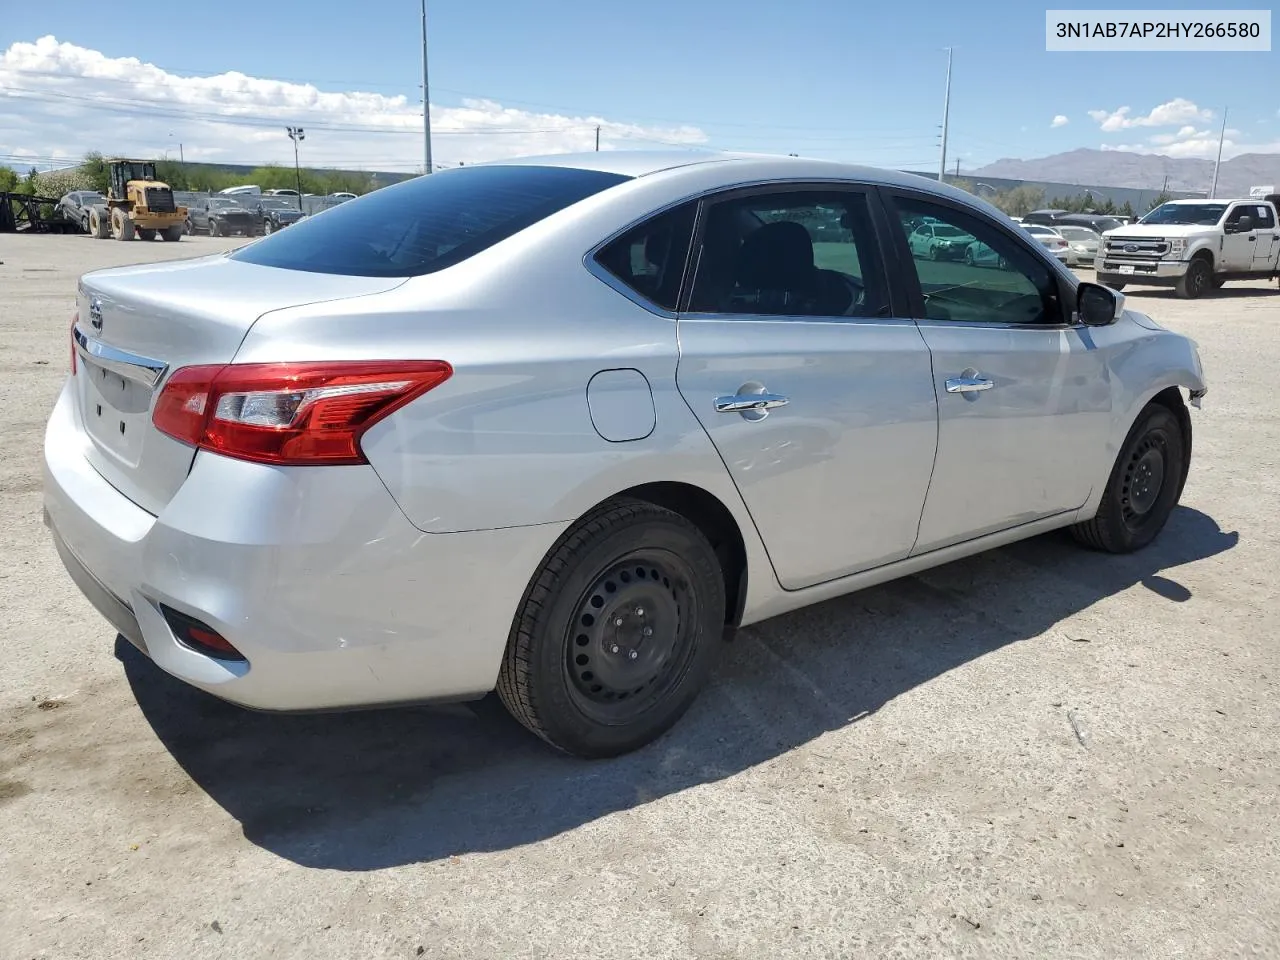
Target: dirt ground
x=1039 y=752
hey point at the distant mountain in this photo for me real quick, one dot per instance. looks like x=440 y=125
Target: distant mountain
x=1114 y=168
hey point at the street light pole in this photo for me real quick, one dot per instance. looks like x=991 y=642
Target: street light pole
x=296 y=134
x=426 y=98
x=1213 y=190
x=946 y=113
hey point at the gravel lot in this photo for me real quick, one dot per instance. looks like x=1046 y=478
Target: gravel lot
x=1039 y=752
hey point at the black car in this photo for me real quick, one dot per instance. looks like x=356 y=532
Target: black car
x=276 y=213
x=221 y=217
x=76 y=204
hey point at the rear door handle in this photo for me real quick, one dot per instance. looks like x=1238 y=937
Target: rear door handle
x=742 y=402
x=968 y=384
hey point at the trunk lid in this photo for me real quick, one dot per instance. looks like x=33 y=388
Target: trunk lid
x=138 y=324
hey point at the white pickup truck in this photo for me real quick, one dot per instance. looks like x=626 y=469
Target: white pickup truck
x=1194 y=246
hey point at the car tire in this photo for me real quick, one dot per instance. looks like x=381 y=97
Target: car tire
x=146 y=233
x=1196 y=281
x=266 y=228
x=1145 y=485
x=968 y=257
x=580 y=671
x=173 y=233
x=214 y=229
x=933 y=251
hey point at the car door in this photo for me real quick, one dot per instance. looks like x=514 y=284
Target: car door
x=1024 y=396
x=813 y=386
x=1238 y=245
x=1268 y=239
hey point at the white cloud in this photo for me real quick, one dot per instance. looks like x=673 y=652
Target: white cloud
x=1175 y=112
x=60 y=100
x=1059 y=121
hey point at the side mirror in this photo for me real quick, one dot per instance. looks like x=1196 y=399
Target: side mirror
x=1244 y=224
x=1098 y=306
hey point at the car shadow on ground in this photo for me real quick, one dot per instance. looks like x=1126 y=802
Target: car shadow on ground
x=361 y=791
x=1223 y=293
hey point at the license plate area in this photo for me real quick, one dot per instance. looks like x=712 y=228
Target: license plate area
x=1126 y=269
x=115 y=411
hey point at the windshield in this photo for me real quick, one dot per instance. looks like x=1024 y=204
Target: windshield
x=277 y=205
x=428 y=223
x=1201 y=214
x=943 y=231
x=214 y=204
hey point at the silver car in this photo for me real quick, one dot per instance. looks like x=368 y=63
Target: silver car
x=558 y=426
x=1082 y=245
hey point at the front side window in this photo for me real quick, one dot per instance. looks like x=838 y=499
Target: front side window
x=426 y=224
x=650 y=258
x=804 y=253
x=974 y=272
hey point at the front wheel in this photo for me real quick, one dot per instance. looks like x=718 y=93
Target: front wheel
x=1196 y=281
x=1144 y=487
x=933 y=251
x=214 y=229
x=267 y=228
x=617 y=632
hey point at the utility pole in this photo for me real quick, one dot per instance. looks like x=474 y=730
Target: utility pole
x=297 y=135
x=957 y=167
x=426 y=98
x=597 y=138
x=946 y=113
x=1213 y=190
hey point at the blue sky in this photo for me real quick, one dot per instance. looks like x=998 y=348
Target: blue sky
x=854 y=81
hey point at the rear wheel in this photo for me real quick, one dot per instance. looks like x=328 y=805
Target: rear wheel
x=1144 y=487
x=214 y=229
x=174 y=232
x=266 y=228
x=99 y=226
x=146 y=233
x=1196 y=281
x=617 y=632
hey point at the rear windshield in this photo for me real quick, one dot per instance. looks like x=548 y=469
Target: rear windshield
x=426 y=224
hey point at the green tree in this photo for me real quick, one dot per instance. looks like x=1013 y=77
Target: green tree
x=1161 y=198
x=1019 y=201
x=1127 y=210
x=8 y=180
x=95 y=169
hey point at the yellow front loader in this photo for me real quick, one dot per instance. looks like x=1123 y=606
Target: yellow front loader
x=137 y=205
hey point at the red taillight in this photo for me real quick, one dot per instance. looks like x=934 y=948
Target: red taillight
x=289 y=413
x=75 y=318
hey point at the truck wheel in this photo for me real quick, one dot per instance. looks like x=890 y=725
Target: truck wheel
x=188 y=226
x=214 y=229
x=121 y=225
x=98 y=226
x=1144 y=487
x=617 y=632
x=146 y=233
x=1196 y=281
x=174 y=232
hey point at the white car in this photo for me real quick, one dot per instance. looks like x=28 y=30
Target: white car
x=1050 y=239
x=558 y=426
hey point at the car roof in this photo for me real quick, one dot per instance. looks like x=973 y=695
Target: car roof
x=640 y=163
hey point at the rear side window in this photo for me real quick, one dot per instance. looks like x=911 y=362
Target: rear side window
x=650 y=258
x=427 y=224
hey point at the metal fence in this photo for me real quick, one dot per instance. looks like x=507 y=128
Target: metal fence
x=309 y=205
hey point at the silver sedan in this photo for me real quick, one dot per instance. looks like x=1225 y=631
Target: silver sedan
x=558 y=426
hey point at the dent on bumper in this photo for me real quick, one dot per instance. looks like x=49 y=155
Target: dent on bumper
x=334 y=598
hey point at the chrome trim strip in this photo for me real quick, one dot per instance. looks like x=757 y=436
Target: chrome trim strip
x=131 y=366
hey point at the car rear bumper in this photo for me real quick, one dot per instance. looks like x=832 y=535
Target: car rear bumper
x=314 y=574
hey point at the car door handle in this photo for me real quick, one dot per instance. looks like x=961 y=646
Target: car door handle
x=968 y=384
x=742 y=402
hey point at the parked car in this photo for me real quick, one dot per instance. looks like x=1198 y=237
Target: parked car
x=978 y=254
x=938 y=241
x=281 y=192
x=1050 y=239
x=1082 y=244
x=342 y=195
x=75 y=206
x=276 y=213
x=222 y=217
x=357 y=462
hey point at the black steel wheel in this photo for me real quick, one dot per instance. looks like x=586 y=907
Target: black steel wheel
x=617 y=632
x=1145 y=485
x=1196 y=281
